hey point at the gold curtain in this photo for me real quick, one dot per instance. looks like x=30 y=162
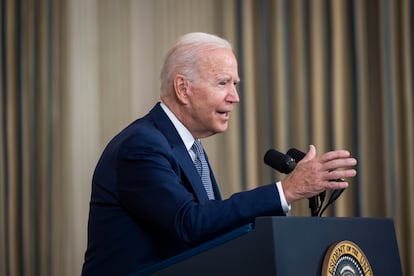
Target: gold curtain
x=336 y=74
x=31 y=48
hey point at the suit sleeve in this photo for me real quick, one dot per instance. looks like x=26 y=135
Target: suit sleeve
x=154 y=190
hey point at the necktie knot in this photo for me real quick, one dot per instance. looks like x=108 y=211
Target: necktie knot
x=203 y=170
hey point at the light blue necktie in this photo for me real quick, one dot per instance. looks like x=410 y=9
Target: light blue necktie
x=202 y=168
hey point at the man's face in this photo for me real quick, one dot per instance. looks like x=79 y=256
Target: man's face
x=212 y=93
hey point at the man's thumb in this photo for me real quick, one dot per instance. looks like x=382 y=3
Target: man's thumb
x=310 y=154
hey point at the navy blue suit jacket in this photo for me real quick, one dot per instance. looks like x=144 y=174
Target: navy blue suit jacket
x=148 y=202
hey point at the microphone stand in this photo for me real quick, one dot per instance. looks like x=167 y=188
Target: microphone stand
x=314 y=206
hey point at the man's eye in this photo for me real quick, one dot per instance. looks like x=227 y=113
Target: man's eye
x=223 y=82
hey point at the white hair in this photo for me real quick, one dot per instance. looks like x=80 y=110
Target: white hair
x=183 y=56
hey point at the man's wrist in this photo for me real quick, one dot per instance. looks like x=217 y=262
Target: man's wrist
x=285 y=206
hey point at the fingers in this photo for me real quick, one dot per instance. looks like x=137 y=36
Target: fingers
x=336 y=175
x=331 y=161
x=339 y=158
x=335 y=185
x=338 y=163
x=336 y=154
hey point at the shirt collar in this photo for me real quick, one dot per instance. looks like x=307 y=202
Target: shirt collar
x=184 y=133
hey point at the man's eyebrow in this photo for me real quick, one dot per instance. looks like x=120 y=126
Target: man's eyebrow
x=228 y=78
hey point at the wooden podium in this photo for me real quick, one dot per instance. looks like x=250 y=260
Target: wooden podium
x=289 y=246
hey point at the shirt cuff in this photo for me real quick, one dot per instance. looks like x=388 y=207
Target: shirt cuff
x=285 y=206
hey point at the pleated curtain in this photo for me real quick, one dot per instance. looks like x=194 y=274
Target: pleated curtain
x=336 y=74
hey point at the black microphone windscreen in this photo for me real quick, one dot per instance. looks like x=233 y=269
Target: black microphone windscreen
x=279 y=161
x=296 y=154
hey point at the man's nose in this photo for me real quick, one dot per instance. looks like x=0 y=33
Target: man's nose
x=233 y=95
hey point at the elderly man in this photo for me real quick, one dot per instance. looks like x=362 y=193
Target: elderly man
x=153 y=193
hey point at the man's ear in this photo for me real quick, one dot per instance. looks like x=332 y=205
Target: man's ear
x=181 y=88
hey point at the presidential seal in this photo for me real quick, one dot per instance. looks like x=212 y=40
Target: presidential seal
x=345 y=258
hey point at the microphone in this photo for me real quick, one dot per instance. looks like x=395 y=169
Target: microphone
x=298 y=155
x=279 y=161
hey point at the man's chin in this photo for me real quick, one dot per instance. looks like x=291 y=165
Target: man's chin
x=222 y=128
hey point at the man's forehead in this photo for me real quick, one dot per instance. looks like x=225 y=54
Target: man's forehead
x=218 y=58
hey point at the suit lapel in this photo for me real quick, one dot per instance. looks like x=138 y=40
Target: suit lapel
x=180 y=152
